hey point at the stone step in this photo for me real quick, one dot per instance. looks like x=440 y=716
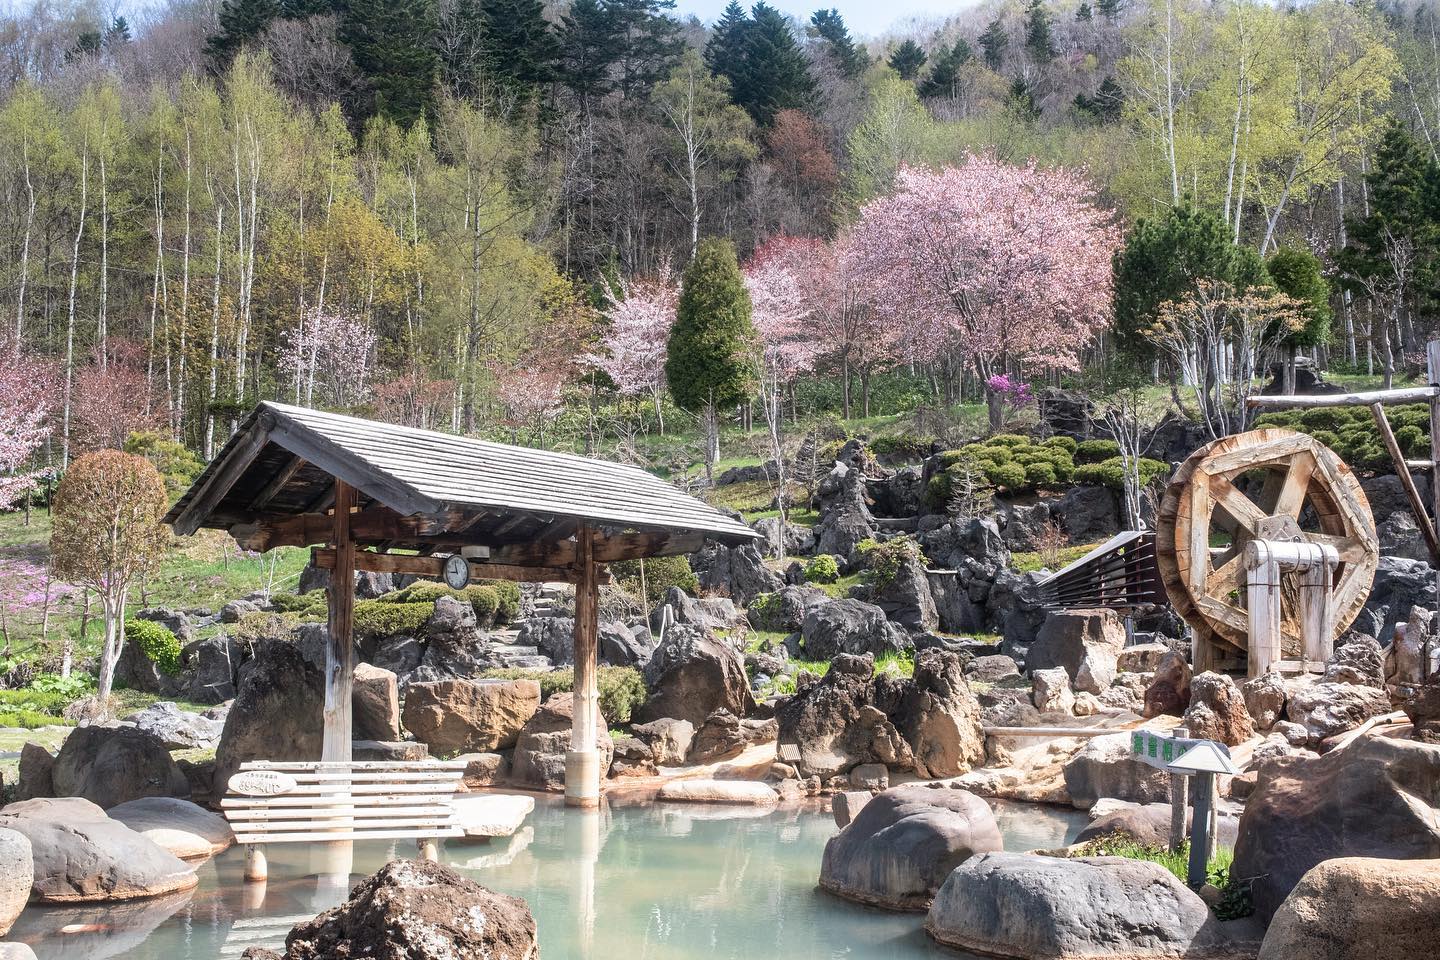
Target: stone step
x=514 y=650
x=526 y=663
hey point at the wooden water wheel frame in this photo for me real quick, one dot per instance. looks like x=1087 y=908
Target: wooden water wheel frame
x=1218 y=493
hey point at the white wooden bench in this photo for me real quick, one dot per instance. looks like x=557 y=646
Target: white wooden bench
x=318 y=802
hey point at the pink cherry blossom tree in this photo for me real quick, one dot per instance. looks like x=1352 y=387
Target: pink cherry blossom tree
x=999 y=266
x=26 y=401
x=632 y=354
x=413 y=400
x=329 y=348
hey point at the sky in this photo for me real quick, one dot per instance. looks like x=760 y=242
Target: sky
x=868 y=18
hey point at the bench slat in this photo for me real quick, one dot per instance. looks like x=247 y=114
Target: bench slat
x=441 y=810
x=397 y=776
x=339 y=825
x=379 y=765
x=331 y=800
x=366 y=789
x=349 y=835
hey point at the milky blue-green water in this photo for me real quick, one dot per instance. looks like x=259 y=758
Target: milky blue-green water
x=630 y=882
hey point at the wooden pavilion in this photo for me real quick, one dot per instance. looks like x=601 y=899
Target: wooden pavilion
x=395 y=499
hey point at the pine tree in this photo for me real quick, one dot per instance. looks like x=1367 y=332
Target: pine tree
x=774 y=73
x=705 y=359
x=725 y=52
x=907 y=59
x=1109 y=9
x=589 y=47
x=520 y=50
x=118 y=32
x=1108 y=103
x=1022 y=100
x=1298 y=273
x=994 y=41
x=1038 y=38
x=1084 y=14
x=241 y=21
x=391 y=44
x=649 y=42
x=830 y=27
x=944 y=77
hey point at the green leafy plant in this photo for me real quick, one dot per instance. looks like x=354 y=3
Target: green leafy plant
x=621 y=689
x=659 y=575
x=885 y=559
x=383 y=618
x=822 y=569
x=1094 y=451
x=67 y=688
x=1111 y=473
x=160 y=646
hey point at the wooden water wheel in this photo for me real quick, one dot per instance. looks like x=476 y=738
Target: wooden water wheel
x=1271 y=484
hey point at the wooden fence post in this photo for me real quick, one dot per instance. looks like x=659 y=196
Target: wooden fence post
x=340 y=651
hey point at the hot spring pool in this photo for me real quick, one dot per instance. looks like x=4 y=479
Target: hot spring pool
x=634 y=881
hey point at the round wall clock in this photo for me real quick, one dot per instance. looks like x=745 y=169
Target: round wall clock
x=457 y=572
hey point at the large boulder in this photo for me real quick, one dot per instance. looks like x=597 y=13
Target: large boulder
x=849 y=626
x=785 y=609
x=1377 y=797
x=1217 y=710
x=375 y=704
x=669 y=739
x=724 y=736
x=904 y=595
x=1104 y=768
x=1265 y=698
x=737 y=792
x=904 y=843
x=940 y=718
x=1076 y=639
x=840 y=722
x=1029 y=907
x=277 y=714
x=540 y=748
x=1051 y=691
x=1089 y=513
x=1358 y=908
x=178 y=729
x=1399 y=585
x=80 y=854
x=469 y=716
x=735 y=572
x=1169 y=689
x=112 y=764
x=185 y=829
x=1147 y=824
x=845 y=517
x=1325 y=709
x=415 y=909
x=692 y=674
x=17 y=875
x=212 y=666
x=37 y=773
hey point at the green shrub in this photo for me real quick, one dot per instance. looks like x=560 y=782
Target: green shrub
x=178 y=464
x=1011 y=476
x=1096 y=451
x=1008 y=440
x=32 y=708
x=69 y=688
x=1040 y=474
x=495 y=601
x=507 y=594
x=160 y=646
x=1350 y=431
x=661 y=573
x=885 y=559
x=622 y=689
x=1068 y=444
x=388 y=618
x=905 y=446
x=1413 y=441
x=1111 y=473
x=261 y=625
x=822 y=569
x=314 y=603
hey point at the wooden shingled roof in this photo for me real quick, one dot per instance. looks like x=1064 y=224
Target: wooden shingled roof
x=273 y=481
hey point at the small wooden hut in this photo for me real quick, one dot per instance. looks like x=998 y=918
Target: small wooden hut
x=395 y=499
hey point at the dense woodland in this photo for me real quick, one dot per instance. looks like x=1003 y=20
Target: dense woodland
x=476 y=214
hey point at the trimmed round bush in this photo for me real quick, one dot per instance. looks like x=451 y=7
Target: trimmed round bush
x=1068 y=444
x=1008 y=475
x=1096 y=451
x=822 y=569
x=160 y=646
x=1040 y=474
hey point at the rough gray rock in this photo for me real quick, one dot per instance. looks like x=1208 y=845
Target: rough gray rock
x=1386 y=908
x=940 y=717
x=1359 y=660
x=37 y=768
x=905 y=598
x=539 y=759
x=1265 y=697
x=669 y=739
x=1031 y=907
x=724 y=736
x=837 y=723
x=1399 y=585
x=1052 y=691
x=112 y=764
x=1089 y=513
x=1104 y=768
x=1217 y=710
x=213 y=668
x=786 y=608
x=1070 y=637
x=1326 y=709
x=993 y=668
x=375 y=704
x=418 y=909
x=735 y=572
x=17 y=874
x=1377 y=797
x=277 y=714
x=177 y=729
x=80 y=854
x=794 y=539
x=692 y=674
x=900 y=848
x=845 y=517
x=849 y=626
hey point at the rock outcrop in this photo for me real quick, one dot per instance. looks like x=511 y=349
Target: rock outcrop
x=1217 y=710
x=1358 y=908
x=469 y=716
x=185 y=829
x=415 y=909
x=692 y=674
x=849 y=626
x=540 y=748
x=109 y=765
x=1104 y=768
x=277 y=714
x=904 y=843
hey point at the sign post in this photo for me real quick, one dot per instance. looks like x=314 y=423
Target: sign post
x=1205 y=760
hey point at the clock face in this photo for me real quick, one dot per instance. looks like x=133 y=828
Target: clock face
x=457 y=572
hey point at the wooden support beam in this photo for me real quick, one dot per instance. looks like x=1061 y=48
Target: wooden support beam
x=1417 y=506
x=340 y=651
x=582 y=762
x=1362 y=399
x=277 y=483
x=1432 y=369
x=220 y=482
x=433 y=568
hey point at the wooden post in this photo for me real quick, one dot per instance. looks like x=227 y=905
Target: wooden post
x=428 y=849
x=340 y=651
x=1178 y=796
x=256 y=868
x=1432 y=366
x=582 y=762
x=1402 y=470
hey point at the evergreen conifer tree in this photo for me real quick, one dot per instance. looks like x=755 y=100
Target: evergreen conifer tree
x=725 y=51
x=392 y=44
x=241 y=21
x=1084 y=14
x=944 y=77
x=1039 y=39
x=907 y=59
x=1106 y=105
x=830 y=27
x=589 y=46
x=520 y=49
x=1298 y=273
x=649 y=42
x=1109 y=9
x=706 y=362
x=994 y=41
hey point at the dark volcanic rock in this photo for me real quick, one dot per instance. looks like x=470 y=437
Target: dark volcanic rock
x=277 y=714
x=111 y=765
x=692 y=674
x=849 y=626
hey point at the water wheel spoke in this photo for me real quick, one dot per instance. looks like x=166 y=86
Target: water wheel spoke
x=1350 y=549
x=1235 y=503
x=1297 y=483
x=1225 y=577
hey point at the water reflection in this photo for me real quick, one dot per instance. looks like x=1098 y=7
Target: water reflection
x=624 y=882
